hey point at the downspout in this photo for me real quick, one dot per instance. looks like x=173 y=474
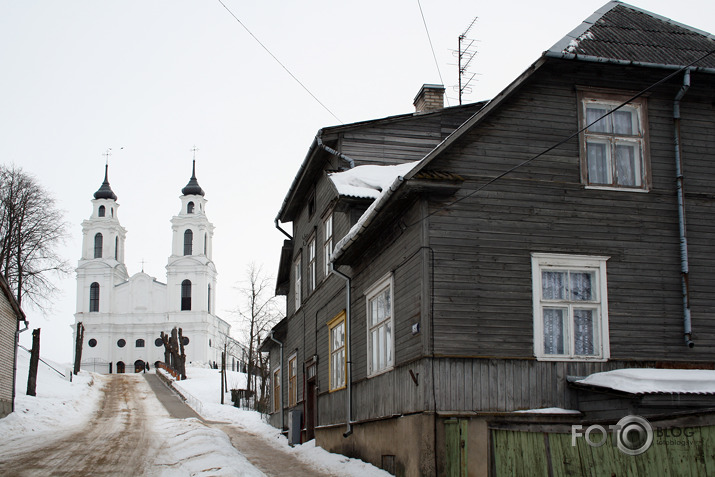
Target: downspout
x=687 y=325
x=348 y=351
x=281 y=363
x=284 y=232
x=14 y=366
x=332 y=151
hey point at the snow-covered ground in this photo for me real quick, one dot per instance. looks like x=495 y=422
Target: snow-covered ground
x=188 y=446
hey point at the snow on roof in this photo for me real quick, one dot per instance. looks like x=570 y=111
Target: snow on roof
x=368 y=181
x=549 y=410
x=381 y=179
x=648 y=380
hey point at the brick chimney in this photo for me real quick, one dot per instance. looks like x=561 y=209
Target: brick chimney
x=430 y=98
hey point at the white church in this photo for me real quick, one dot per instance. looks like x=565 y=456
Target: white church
x=124 y=316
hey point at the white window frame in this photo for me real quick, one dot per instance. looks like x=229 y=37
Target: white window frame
x=327 y=242
x=610 y=100
x=564 y=262
x=312 y=265
x=337 y=373
x=297 y=281
x=373 y=369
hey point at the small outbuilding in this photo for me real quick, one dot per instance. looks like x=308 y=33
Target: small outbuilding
x=10 y=317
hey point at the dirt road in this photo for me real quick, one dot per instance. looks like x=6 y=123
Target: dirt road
x=116 y=441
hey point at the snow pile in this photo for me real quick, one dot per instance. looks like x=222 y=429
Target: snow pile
x=206 y=387
x=649 y=380
x=368 y=181
x=573 y=44
x=59 y=406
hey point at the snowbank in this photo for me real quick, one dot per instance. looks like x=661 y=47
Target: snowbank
x=649 y=380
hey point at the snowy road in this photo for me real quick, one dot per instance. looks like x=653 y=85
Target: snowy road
x=116 y=441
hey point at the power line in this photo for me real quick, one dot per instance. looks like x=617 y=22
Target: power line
x=279 y=62
x=561 y=142
x=431 y=46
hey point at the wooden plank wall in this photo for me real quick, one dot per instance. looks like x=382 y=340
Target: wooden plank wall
x=483 y=296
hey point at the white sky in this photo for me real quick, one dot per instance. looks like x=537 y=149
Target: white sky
x=158 y=77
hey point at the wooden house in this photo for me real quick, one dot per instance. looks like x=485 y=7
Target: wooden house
x=10 y=317
x=457 y=272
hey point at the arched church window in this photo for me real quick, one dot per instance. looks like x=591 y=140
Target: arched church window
x=116 y=248
x=188 y=242
x=190 y=208
x=206 y=243
x=140 y=343
x=92 y=343
x=209 y=300
x=98 y=243
x=94 y=297
x=186 y=295
x=101 y=211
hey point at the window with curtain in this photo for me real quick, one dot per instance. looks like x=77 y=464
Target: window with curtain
x=94 y=297
x=570 y=307
x=337 y=363
x=188 y=242
x=298 y=281
x=614 y=144
x=380 y=340
x=186 y=295
x=98 y=244
x=327 y=243
x=312 y=272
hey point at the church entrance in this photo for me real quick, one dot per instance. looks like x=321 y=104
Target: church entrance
x=120 y=366
x=138 y=366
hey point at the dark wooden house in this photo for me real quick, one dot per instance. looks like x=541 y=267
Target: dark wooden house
x=10 y=317
x=451 y=268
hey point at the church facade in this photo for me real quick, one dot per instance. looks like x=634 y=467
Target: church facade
x=124 y=316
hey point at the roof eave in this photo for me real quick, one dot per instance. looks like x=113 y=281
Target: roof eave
x=597 y=59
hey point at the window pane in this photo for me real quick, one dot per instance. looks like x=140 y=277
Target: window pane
x=597 y=162
x=581 y=286
x=592 y=114
x=553 y=285
x=623 y=121
x=374 y=341
x=628 y=164
x=584 y=332
x=381 y=348
x=554 y=331
x=388 y=344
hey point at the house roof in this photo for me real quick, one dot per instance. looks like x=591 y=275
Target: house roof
x=619 y=32
x=616 y=33
x=11 y=298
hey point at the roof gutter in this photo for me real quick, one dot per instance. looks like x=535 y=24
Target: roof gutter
x=333 y=151
x=685 y=286
x=614 y=61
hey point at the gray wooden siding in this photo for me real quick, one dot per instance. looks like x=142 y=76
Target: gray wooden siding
x=483 y=298
x=8 y=325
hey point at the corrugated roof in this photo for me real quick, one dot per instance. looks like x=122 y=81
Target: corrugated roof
x=622 y=32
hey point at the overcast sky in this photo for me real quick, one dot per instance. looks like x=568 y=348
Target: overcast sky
x=160 y=77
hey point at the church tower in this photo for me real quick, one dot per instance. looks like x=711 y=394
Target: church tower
x=191 y=273
x=101 y=266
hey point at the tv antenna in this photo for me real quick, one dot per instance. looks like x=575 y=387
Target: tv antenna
x=465 y=53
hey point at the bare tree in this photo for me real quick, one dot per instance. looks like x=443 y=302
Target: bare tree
x=258 y=311
x=30 y=229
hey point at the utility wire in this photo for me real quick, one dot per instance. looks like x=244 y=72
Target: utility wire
x=431 y=47
x=560 y=143
x=279 y=62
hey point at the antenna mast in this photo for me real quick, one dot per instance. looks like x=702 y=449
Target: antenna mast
x=465 y=55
